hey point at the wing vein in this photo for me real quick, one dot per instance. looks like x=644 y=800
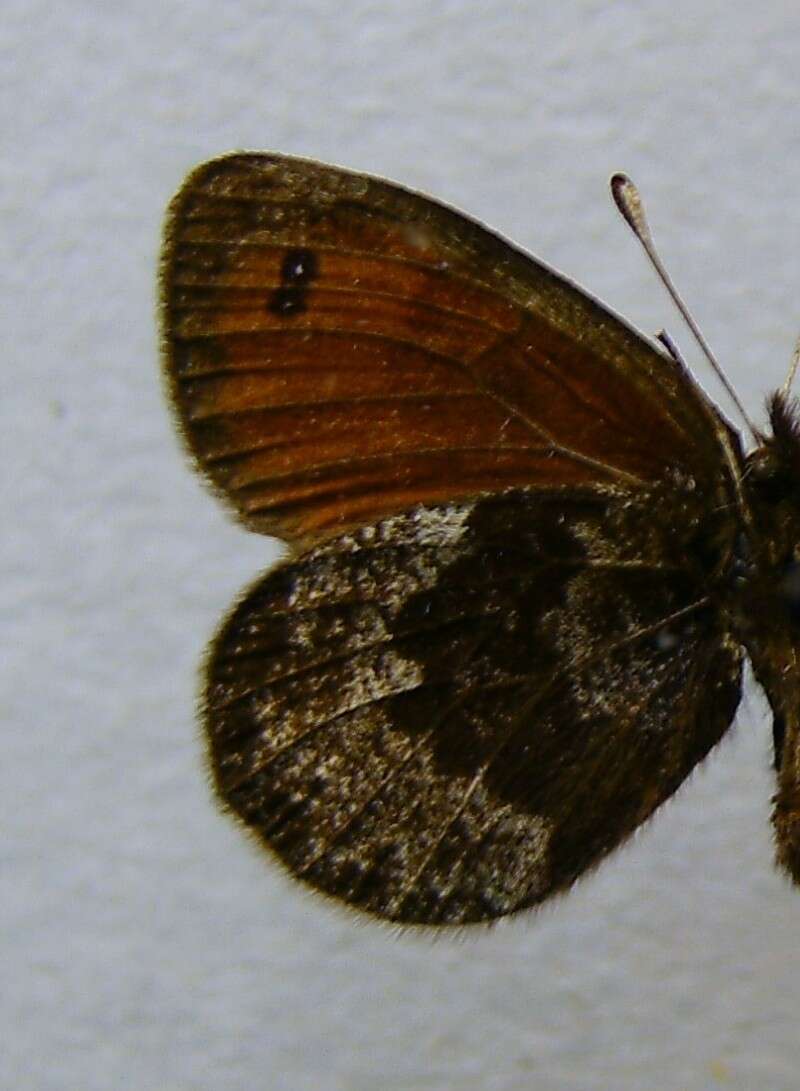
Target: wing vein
x=434 y=309
x=344 y=403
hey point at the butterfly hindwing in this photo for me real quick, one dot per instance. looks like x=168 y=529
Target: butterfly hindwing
x=450 y=715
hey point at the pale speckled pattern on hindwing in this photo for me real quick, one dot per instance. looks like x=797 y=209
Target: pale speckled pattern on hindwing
x=448 y=716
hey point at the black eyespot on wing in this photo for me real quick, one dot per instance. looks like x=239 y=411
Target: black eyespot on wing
x=299 y=267
x=298 y=270
x=288 y=301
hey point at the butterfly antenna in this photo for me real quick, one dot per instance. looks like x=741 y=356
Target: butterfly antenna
x=629 y=202
x=787 y=386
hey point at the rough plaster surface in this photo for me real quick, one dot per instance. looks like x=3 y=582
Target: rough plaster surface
x=146 y=945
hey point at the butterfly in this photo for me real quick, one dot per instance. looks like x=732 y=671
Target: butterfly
x=528 y=554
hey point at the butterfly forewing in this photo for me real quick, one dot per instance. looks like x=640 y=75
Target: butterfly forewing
x=504 y=645
x=340 y=349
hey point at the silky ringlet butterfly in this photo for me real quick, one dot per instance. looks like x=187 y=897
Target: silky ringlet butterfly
x=528 y=553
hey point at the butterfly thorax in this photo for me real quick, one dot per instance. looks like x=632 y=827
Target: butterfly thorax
x=769 y=557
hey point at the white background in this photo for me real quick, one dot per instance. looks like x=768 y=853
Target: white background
x=146 y=944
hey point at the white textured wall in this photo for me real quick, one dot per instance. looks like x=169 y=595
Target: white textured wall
x=147 y=946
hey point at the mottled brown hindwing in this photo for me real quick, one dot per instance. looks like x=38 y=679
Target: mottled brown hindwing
x=450 y=715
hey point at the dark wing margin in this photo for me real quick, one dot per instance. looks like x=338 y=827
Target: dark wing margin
x=339 y=348
x=451 y=715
